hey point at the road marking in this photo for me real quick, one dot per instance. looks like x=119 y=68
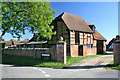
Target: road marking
x=43 y=72
x=47 y=75
x=35 y=68
x=39 y=69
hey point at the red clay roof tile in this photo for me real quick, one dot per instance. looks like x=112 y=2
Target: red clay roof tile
x=26 y=39
x=97 y=35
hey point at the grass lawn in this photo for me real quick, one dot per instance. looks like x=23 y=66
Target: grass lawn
x=30 y=61
x=112 y=66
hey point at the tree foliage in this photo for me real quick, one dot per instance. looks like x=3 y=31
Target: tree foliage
x=33 y=16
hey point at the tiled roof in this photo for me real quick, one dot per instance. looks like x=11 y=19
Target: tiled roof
x=3 y=40
x=88 y=23
x=26 y=39
x=8 y=42
x=96 y=35
x=74 y=22
x=16 y=42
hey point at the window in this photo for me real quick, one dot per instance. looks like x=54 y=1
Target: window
x=93 y=30
x=89 y=46
x=77 y=40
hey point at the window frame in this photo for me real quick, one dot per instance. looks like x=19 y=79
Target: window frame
x=89 y=46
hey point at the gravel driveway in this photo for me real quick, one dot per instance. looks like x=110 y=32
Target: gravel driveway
x=92 y=62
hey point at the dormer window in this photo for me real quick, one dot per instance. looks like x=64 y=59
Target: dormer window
x=93 y=29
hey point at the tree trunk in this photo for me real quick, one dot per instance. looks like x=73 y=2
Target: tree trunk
x=3 y=33
x=1 y=39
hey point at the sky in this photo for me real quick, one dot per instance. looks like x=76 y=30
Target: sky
x=104 y=15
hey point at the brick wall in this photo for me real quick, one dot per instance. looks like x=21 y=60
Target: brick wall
x=92 y=51
x=60 y=54
x=74 y=50
x=57 y=52
x=19 y=52
x=116 y=50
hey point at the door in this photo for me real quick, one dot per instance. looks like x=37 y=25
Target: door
x=99 y=47
x=80 y=50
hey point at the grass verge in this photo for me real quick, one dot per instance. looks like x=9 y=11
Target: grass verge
x=112 y=66
x=30 y=61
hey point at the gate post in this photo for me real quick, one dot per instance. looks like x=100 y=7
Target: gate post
x=0 y=48
x=61 y=52
x=116 y=50
x=0 y=60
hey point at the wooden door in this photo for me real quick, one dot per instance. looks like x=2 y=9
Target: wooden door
x=80 y=50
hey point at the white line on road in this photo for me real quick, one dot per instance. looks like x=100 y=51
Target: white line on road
x=47 y=75
x=39 y=69
x=43 y=72
x=35 y=68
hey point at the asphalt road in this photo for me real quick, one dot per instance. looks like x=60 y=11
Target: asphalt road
x=87 y=68
x=11 y=71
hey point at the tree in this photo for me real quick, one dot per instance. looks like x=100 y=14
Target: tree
x=18 y=39
x=33 y=16
x=12 y=41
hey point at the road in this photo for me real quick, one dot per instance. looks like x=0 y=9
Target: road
x=78 y=70
x=10 y=71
